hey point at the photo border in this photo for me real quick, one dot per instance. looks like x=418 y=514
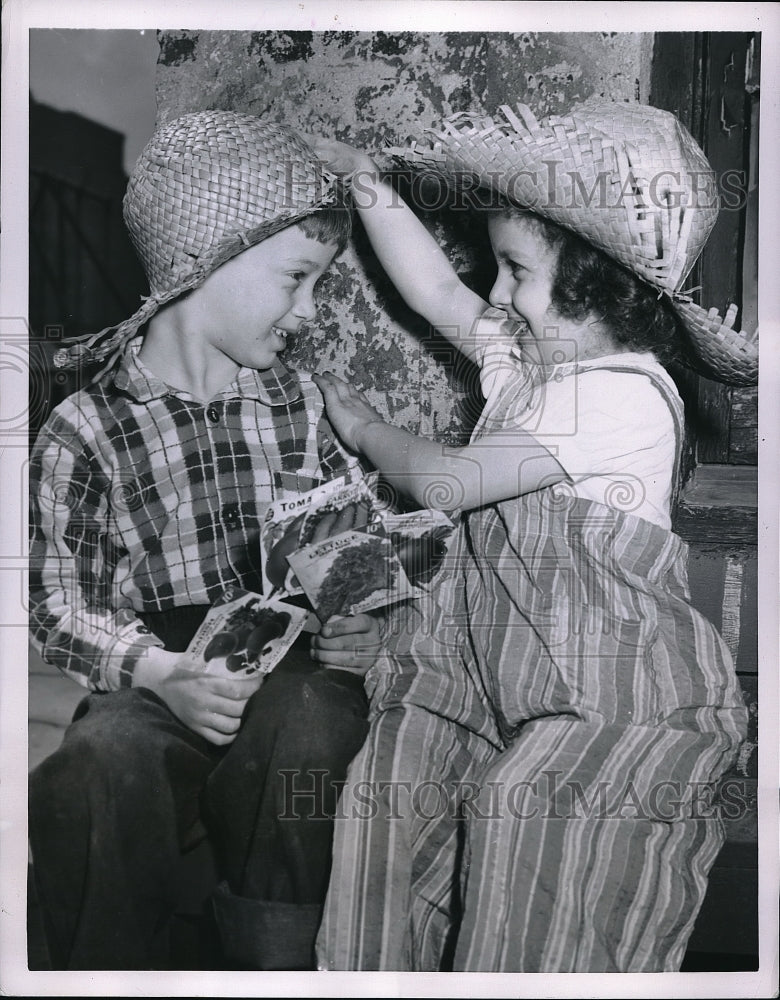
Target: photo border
x=19 y=16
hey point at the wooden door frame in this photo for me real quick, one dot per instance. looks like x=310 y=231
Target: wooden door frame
x=701 y=78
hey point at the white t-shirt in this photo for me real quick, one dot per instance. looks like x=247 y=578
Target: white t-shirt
x=612 y=431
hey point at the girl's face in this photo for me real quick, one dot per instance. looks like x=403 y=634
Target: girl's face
x=523 y=289
x=526 y=268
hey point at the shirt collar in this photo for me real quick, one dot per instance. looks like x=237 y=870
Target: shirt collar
x=275 y=387
x=641 y=359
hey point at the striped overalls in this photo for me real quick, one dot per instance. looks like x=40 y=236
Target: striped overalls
x=545 y=733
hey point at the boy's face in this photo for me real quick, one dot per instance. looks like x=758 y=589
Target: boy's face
x=247 y=306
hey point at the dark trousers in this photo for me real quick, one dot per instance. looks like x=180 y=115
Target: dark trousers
x=138 y=824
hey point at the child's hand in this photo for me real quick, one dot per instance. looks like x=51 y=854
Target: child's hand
x=210 y=706
x=351 y=643
x=348 y=410
x=341 y=158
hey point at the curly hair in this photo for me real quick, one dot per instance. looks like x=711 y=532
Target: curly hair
x=587 y=282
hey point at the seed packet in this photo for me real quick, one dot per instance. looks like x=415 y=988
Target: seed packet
x=309 y=519
x=244 y=634
x=351 y=572
x=421 y=540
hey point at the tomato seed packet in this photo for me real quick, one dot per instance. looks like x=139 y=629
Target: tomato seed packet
x=245 y=634
x=309 y=519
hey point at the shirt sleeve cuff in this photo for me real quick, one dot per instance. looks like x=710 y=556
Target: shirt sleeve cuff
x=117 y=663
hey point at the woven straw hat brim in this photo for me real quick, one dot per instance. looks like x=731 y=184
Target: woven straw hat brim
x=629 y=179
x=719 y=350
x=105 y=348
x=206 y=187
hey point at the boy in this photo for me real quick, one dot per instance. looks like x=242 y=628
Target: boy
x=148 y=490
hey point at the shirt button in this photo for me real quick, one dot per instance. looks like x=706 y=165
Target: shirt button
x=230 y=516
x=213 y=414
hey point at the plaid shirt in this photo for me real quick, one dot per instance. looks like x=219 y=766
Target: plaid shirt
x=144 y=499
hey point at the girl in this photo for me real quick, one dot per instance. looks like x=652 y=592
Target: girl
x=529 y=796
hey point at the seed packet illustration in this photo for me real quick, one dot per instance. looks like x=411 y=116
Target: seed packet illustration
x=351 y=508
x=308 y=519
x=244 y=634
x=350 y=573
x=280 y=535
x=421 y=540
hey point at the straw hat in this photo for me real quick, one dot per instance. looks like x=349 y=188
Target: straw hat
x=628 y=178
x=207 y=186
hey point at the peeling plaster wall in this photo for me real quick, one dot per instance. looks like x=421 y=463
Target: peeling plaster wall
x=361 y=88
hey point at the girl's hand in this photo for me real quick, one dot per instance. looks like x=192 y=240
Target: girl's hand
x=341 y=158
x=348 y=410
x=351 y=643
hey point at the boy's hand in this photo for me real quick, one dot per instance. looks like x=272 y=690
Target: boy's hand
x=351 y=643
x=210 y=706
x=341 y=158
x=348 y=410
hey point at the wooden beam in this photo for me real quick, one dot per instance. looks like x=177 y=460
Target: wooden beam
x=719 y=505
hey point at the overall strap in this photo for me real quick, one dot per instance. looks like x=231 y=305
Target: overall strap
x=674 y=403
